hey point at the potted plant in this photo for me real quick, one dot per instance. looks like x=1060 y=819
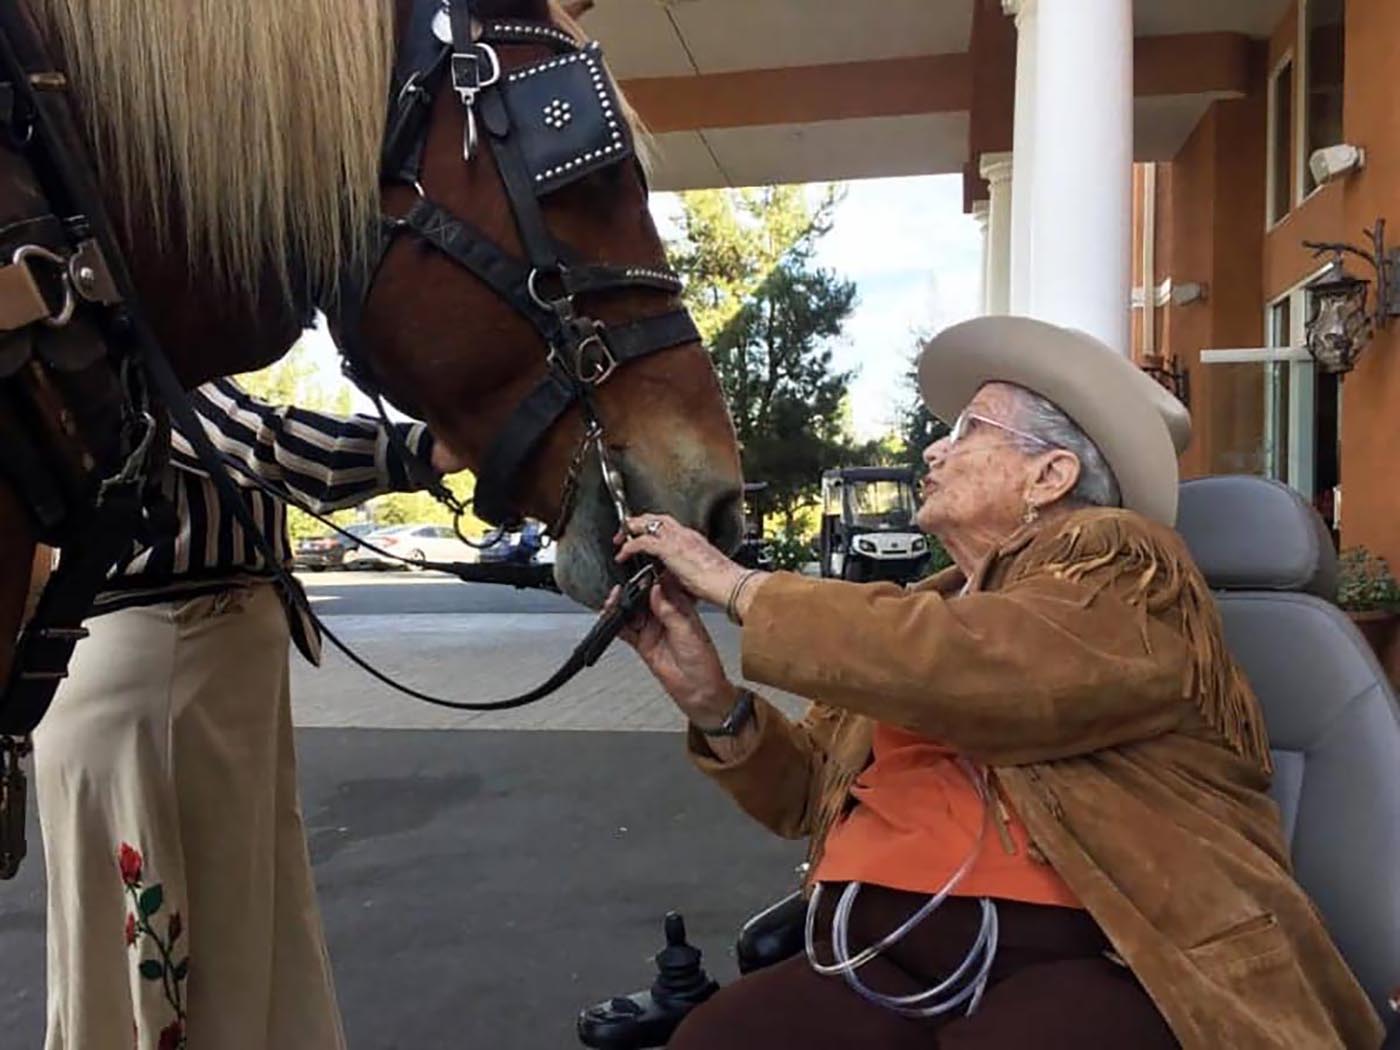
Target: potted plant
x=1367 y=591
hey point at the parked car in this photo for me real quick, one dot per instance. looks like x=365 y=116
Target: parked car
x=331 y=550
x=418 y=542
x=523 y=546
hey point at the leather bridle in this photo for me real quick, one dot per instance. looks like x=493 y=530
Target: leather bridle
x=547 y=125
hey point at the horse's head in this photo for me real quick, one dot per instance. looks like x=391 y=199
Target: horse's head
x=456 y=353
x=244 y=161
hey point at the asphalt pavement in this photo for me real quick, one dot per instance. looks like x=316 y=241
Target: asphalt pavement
x=482 y=881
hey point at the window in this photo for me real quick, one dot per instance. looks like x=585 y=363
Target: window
x=877 y=504
x=1280 y=182
x=1297 y=437
x=1323 y=31
x=1276 y=374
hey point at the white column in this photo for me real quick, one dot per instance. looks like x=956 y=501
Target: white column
x=996 y=168
x=1022 y=146
x=1080 y=170
x=979 y=213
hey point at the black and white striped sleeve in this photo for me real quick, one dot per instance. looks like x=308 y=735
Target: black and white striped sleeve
x=324 y=461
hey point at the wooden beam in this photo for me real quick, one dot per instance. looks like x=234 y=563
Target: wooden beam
x=1197 y=64
x=894 y=87
x=1184 y=64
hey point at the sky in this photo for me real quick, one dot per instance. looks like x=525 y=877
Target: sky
x=916 y=261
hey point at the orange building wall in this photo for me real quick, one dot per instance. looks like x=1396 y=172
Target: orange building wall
x=1212 y=221
x=1371 y=394
x=1210 y=231
x=1340 y=211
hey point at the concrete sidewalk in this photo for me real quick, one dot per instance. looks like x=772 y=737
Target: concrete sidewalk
x=480 y=888
x=475 y=657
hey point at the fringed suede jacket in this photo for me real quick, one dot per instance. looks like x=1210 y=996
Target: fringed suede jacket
x=1085 y=667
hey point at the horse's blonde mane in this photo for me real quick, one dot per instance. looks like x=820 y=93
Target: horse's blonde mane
x=250 y=129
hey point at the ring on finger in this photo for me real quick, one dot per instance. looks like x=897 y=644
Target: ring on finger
x=653 y=527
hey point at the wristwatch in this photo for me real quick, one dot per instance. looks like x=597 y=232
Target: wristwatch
x=737 y=718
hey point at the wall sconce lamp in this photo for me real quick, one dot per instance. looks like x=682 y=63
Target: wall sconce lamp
x=1171 y=374
x=1189 y=292
x=1340 y=325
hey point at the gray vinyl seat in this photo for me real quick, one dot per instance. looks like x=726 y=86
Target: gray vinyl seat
x=1334 y=727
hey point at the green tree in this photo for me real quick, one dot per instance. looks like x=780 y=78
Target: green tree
x=917 y=427
x=295 y=380
x=770 y=315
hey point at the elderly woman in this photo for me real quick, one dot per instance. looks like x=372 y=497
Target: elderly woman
x=1035 y=785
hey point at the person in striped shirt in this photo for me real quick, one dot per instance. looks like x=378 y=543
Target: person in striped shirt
x=181 y=903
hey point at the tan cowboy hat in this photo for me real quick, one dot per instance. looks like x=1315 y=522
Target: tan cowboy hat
x=1136 y=423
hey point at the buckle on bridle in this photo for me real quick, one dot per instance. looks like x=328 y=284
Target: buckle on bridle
x=468 y=82
x=593 y=360
x=24 y=258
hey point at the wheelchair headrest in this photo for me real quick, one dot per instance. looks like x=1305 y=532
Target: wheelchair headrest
x=1252 y=534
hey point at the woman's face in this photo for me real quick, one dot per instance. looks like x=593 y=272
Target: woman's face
x=979 y=486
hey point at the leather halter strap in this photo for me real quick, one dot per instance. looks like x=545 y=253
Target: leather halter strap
x=581 y=352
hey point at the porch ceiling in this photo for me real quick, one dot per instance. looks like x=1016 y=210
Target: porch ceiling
x=750 y=91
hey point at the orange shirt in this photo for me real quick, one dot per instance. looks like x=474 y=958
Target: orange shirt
x=917 y=817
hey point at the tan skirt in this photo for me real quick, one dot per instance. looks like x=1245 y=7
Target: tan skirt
x=181 y=905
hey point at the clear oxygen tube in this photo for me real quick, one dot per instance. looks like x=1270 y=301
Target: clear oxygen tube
x=968 y=980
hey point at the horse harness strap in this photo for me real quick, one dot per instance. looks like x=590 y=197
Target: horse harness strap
x=77 y=424
x=548 y=125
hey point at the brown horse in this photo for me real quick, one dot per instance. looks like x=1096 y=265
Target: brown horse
x=239 y=144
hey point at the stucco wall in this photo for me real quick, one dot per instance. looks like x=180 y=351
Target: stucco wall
x=1210 y=231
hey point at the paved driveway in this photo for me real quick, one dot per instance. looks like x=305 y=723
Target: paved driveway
x=480 y=885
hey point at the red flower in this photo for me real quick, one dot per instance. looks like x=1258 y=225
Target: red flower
x=130 y=863
x=176 y=927
x=171 y=1036
x=130 y=929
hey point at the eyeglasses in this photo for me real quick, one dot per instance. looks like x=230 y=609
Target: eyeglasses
x=967 y=417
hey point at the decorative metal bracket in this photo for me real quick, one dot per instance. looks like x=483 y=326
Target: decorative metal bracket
x=1171 y=374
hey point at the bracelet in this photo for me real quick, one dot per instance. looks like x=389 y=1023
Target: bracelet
x=731 y=606
x=737 y=718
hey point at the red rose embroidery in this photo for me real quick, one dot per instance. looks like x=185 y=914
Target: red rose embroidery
x=130 y=929
x=130 y=863
x=171 y=1036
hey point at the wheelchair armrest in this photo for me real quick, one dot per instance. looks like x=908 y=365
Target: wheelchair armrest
x=774 y=934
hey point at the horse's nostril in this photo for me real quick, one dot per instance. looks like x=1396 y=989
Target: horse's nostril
x=724 y=519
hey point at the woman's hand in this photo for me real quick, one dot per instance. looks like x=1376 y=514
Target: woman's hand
x=675 y=645
x=444 y=460
x=701 y=570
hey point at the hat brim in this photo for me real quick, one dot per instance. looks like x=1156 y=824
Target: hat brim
x=1135 y=422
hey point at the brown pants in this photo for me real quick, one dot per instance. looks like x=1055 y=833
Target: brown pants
x=1051 y=987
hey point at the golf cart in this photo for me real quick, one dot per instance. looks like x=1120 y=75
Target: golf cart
x=867 y=530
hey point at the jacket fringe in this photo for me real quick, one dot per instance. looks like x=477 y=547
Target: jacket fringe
x=1151 y=569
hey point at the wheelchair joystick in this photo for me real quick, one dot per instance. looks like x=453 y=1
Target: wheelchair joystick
x=680 y=978
x=647 y=1019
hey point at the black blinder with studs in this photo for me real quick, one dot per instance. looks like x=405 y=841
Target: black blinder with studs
x=567 y=118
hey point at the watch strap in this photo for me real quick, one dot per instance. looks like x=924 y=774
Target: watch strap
x=737 y=718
